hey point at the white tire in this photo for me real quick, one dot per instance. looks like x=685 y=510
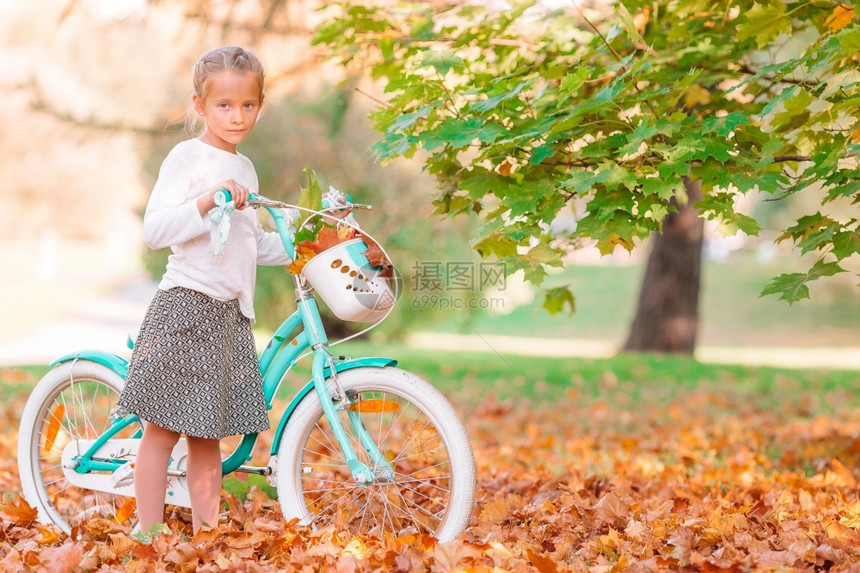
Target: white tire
x=75 y=400
x=432 y=488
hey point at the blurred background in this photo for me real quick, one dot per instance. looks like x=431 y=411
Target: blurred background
x=94 y=94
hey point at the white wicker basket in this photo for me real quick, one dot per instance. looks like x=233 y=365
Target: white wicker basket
x=346 y=282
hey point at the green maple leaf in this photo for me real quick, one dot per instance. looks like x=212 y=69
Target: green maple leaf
x=847 y=189
x=621 y=224
x=764 y=21
x=819 y=237
x=407 y=120
x=534 y=261
x=607 y=244
x=719 y=149
x=583 y=180
x=458 y=133
x=310 y=197
x=846 y=244
x=442 y=60
x=643 y=132
x=541 y=153
x=726 y=124
x=493 y=101
x=796 y=111
x=683 y=150
x=806 y=226
x=607 y=203
x=496 y=244
x=770 y=70
x=528 y=202
x=663 y=187
x=485 y=182
x=849 y=40
x=721 y=206
x=629 y=25
x=768 y=181
x=744 y=223
x=770 y=148
x=394 y=145
x=791 y=287
x=572 y=82
x=556 y=298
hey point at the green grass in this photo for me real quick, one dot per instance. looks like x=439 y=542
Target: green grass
x=640 y=378
x=731 y=312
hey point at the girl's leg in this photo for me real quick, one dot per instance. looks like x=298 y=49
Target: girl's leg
x=204 y=481
x=150 y=473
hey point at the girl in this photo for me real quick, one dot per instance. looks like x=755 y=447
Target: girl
x=194 y=369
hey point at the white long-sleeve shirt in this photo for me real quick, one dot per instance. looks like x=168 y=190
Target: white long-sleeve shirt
x=190 y=170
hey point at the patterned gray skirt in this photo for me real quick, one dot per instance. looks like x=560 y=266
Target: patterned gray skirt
x=194 y=368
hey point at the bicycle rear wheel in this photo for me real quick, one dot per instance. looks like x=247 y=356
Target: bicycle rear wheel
x=432 y=487
x=74 y=401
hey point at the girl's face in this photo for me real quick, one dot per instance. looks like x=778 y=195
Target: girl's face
x=230 y=108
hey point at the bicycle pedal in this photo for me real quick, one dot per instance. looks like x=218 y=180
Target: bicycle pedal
x=123 y=476
x=272 y=477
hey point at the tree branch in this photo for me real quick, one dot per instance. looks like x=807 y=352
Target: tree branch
x=780 y=158
x=91 y=123
x=617 y=57
x=377 y=100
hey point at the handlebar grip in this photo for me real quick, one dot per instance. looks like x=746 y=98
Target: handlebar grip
x=277 y=215
x=227 y=196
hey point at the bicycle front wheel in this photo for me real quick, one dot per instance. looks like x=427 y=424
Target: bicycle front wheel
x=74 y=401
x=418 y=452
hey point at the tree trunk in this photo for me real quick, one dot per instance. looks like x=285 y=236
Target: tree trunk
x=667 y=318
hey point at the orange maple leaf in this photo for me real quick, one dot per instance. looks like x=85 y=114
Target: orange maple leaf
x=18 y=511
x=377 y=258
x=327 y=238
x=840 y=17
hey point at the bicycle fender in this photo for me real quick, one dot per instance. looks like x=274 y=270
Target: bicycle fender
x=371 y=361
x=116 y=363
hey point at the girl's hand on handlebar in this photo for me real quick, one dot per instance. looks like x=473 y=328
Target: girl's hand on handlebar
x=239 y=195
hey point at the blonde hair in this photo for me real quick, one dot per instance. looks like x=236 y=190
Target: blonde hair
x=219 y=60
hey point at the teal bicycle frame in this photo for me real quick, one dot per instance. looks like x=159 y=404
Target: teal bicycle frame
x=280 y=355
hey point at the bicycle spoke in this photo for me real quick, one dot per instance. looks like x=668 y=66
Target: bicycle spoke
x=413 y=483
x=363 y=513
x=425 y=481
x=335 y=502
x=440 y=464
x=52 y=482
x=316 y=465
x=394 y=423
x=411 y=438
x=88 y=406
x=381 y=418
x=329 y=446
x=416 y=492
x=420 y=454
x=417 y=506
x=339 y=482
x=87 y=419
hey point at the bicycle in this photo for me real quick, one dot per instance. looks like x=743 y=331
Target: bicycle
x=363 y=445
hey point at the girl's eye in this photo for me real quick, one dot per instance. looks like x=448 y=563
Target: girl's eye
x=223 y=105
x=249 y=106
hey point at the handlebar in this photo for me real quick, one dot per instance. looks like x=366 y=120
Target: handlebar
x=260 y=201
x=274 y=208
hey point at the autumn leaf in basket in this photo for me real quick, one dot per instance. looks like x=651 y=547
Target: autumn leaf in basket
x=303 y=255
x=327 y=238
x=377 y=258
